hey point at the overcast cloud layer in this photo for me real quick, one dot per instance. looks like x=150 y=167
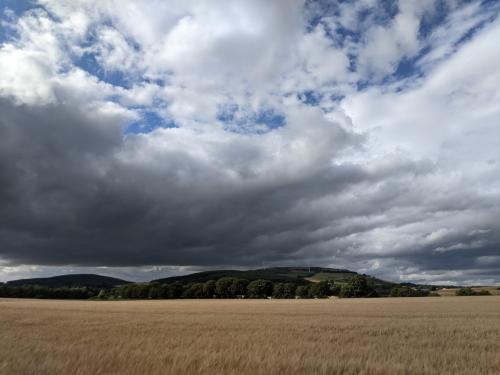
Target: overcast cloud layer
x=158 y=137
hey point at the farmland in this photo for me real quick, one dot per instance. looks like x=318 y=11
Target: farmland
x=449 y=335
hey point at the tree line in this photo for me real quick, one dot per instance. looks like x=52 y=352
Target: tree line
x=40 y=291
x=225 y=287
x=406 y=291
x=233 y=287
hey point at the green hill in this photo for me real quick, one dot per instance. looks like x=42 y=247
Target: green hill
x=71 y=281
x=299 y=275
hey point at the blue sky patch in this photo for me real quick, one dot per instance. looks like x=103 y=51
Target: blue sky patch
x=271 y=119
x=233 y=120
x=17 y=7
x=89 y=63
x=310 y=97
x=149 y=122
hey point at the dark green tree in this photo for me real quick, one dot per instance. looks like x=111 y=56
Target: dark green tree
x=334 y=289
x=259 y=289
x=357 y=287
x=406 y=291
x=209 y=289
x=175 y=290
x=302 y=291
x=472 y=292
x=319 y=290
x=102 y=294
x=238 y=288
x=279 y=290
x=284 y=290
x=193 y=290
x=223 y=287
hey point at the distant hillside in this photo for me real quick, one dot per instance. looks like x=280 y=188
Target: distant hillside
x=300 y=275
x=297 y=275
x=76 y=280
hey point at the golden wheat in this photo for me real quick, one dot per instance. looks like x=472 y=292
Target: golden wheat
x=454 y=335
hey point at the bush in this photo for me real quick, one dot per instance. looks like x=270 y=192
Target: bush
x=484 y=292
x=472 y=292
x=465 y=292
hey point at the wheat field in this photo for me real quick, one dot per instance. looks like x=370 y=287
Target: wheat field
x=448 y=335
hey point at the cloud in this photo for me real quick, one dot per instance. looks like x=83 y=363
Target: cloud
x=183 y=134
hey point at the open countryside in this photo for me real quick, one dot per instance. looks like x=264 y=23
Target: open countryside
x=249 y=187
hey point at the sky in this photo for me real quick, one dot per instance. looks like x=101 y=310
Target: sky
x=142 y=139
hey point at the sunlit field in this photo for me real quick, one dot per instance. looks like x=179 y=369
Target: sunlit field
x=448 y=335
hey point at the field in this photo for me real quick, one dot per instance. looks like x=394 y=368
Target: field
x=448 y=335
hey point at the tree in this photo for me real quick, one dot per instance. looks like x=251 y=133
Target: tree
x=163 y=291
x=284 y=290
x=290 y=290
x=357 y=287
x=279 y=290
x=171 y=291
x=484 y=292
x=154 y=291
x=102 y=294
x=209 y=289
x=193 y=290
x=319 y=290
x=406 y=291
x=465 y=292
x=238 y=287
x=222 y=287
x=259 y=289
x=334 y=289
x=302 y=291
x=472 y=292
x=175 y=290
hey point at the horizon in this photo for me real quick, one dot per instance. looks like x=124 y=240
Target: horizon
x=166 y=138
x=187 y=273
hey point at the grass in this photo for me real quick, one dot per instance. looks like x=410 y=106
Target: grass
x=455 y=335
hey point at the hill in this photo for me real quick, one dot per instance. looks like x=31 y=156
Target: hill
x=277 y=274
x=300 y=275
x=75 y=280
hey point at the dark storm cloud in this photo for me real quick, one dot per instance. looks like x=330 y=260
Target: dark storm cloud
x=68 y=198
x=73 y=192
